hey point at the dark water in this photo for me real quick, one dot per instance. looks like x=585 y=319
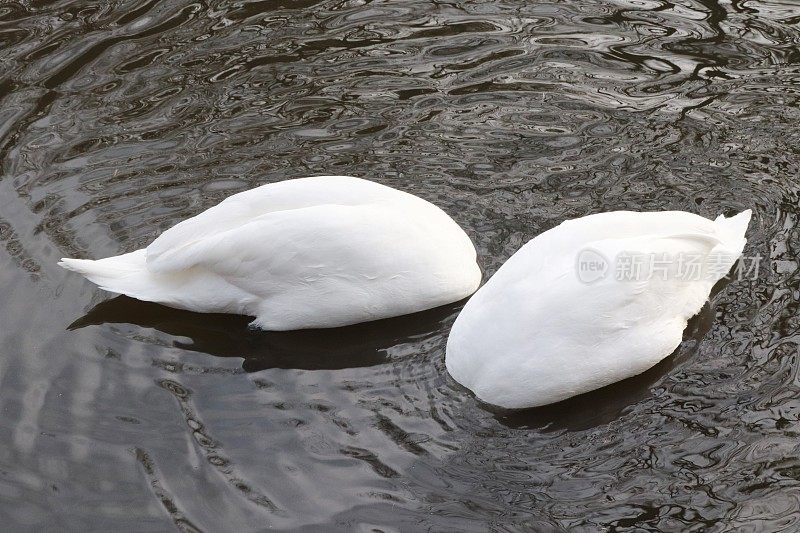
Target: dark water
x=118 y=119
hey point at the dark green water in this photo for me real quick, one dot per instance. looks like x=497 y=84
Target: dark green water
x=119 y=119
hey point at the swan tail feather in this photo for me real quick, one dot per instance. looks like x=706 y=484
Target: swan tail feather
x=732 y=231
x=122 y=274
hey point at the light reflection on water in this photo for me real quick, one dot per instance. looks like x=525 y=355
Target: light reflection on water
x=118 y=120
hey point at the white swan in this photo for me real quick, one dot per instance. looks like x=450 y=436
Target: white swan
x=315 y=252
x=568 y=313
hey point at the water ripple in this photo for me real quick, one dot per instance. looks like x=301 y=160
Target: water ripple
x=117 y=121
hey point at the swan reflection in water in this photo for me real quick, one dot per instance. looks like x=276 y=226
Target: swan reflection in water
x=360 y=345
x=368 y=344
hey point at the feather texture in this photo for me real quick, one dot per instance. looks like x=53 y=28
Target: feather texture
x=539 y=331
x=314 y=252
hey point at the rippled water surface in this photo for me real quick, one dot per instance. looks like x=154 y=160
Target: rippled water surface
x=118 y=119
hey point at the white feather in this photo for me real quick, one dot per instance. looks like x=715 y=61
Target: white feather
x=537 y=333
x=314 y=252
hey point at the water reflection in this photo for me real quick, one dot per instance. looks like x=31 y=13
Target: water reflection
x=360 y=345
x=119 y=119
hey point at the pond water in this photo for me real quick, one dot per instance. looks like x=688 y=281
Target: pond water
x=119 y=119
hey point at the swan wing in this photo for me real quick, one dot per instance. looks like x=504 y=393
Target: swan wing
x=556 y=334
x=330 y=265
x=174 y=249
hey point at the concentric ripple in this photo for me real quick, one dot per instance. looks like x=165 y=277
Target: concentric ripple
x=119 y=119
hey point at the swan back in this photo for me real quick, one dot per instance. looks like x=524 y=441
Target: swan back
x=316 y=252
x=540 y=331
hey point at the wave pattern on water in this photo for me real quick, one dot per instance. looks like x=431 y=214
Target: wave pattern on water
x=118 y=119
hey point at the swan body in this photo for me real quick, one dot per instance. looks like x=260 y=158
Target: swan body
x=558 y=319
x=316 y=252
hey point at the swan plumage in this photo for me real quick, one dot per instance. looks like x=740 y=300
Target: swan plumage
x=315 y=252
x=542 y=329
